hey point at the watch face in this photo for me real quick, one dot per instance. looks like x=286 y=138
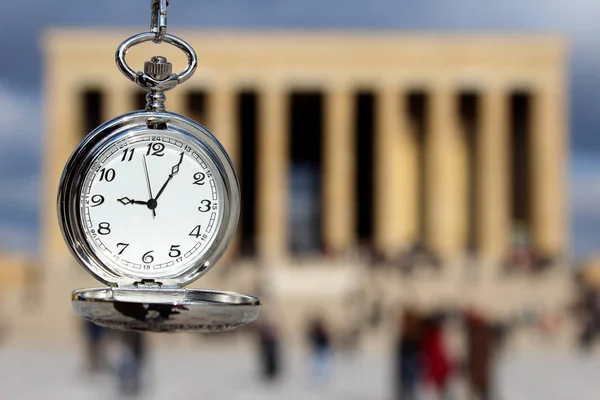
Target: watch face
x=152 y=203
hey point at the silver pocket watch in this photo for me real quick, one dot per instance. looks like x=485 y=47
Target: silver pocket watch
x=147 y=203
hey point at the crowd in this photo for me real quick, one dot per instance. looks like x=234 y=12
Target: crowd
x=518 y=258
x=422 y=360
x=424 y=363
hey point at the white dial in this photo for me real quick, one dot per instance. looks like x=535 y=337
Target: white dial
x=151 y=204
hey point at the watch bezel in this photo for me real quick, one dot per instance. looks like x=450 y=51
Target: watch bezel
x=87 y=152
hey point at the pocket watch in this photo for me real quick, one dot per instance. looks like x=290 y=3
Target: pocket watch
x=147 y=203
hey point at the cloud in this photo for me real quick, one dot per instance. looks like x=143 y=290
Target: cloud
x=20 y=165
x=20 y=194
x=585 y=197
x=19 y=119
x=18 y=239
x=585 y=203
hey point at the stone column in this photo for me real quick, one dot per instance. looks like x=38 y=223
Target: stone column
x=177 y=101
x=548 y=168
x=493 y=186
x=64 y=122
x=339 y=172
x=446 y=175
x=118 y=98
x=396 y=213
x=222 y=119
x=272 y=158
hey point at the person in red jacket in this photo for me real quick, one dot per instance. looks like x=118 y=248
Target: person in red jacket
x=436 y=362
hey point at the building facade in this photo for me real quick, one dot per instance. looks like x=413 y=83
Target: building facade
x=350 y=141
x=456 y=142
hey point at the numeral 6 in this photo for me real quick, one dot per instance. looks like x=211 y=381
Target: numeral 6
x=147 y=258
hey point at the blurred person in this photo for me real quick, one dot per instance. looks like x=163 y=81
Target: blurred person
x=376 y=315
x=359 y=318
x=95 y=345
x=480 y=338
x=130 y=370
x=320 y=346
x=408 y=356
x=524 y=256
x=3 y=330
x=527 y=258
x=588 y=308
x=418 y=255
x=550 y=324
x=437 y=367
x=269 y=350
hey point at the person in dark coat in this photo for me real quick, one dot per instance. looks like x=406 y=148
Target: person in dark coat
x=320 y=344
x=95 y=337
x=408 y=356
x=481 y=342
x=132 y=364
x=269 y=350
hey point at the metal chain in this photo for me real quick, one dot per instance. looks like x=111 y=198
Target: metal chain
x=158 y=19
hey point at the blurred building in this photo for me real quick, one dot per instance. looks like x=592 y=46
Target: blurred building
x=361 y=156
x=14 y=269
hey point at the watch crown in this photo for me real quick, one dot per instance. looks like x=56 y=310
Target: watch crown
x=158 y=68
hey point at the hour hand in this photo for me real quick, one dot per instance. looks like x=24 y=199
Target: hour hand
x=127 y=200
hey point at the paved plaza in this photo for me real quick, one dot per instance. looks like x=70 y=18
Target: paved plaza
x=232 y=375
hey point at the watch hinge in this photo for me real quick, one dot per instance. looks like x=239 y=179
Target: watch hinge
x=156 y=123
x=147 y=284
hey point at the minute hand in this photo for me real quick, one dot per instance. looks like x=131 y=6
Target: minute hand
x=174 y=172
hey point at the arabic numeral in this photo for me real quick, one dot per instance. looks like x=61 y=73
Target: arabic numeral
x=107 y=174
x=97 y=199
x=155 y=149
x=205 y=203
x=199 y=178
x=103 y=228
x=125 y=152
x=125 y=245
x=147 y=257
x=174 y=252
x=196 y=231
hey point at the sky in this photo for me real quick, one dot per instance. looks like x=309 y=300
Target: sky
x=23 y=23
